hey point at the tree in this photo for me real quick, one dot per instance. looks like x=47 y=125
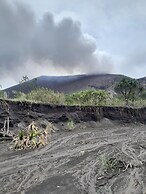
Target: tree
x=129 y=89
x=25 y=78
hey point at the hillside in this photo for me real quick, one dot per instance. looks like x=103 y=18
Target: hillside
x=67 y=84
x=70 y=84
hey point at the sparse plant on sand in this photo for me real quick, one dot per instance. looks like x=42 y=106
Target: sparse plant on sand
x=108 y=164
x=113 y=164
x=32 y=137
x=70 y=124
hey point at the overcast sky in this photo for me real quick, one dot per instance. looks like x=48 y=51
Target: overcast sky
x=61 y=37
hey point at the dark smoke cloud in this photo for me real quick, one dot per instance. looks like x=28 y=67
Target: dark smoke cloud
x=16 y=28
x=61 y=44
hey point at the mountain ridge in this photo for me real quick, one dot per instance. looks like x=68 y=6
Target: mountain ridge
x=70 y=83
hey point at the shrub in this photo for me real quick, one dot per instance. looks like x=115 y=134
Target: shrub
x=70 y=125
x=46 y=96
x=87 y=97
x=143 y=95
x=2 y=94
x=114 y=165
x=19 y=95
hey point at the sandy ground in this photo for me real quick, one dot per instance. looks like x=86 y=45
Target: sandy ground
x=74 y=162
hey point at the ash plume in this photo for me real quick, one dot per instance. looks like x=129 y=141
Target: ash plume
x=61 y=44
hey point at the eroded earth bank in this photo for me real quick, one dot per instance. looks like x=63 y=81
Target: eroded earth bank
x=104 y=153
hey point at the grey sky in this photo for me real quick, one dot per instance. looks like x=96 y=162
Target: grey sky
x=68 y=37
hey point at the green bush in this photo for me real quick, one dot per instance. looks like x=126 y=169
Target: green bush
x=70 y=125
x=46 y=96
x=87 y=97
x=2 y=94
x=143 y=95
x=19 y=95
x=90 y=97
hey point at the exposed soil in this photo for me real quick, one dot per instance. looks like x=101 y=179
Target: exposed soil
x=75 y=161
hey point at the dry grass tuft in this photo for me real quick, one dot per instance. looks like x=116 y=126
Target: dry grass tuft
x=32 y=137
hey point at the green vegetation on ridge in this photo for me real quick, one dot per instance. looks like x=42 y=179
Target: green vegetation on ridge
x=126 y=92
x=129 y=89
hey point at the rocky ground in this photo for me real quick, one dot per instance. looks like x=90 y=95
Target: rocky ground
x=99 y=154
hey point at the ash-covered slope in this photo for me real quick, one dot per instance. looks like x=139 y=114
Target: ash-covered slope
x=76 y=161
x=67 y=84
